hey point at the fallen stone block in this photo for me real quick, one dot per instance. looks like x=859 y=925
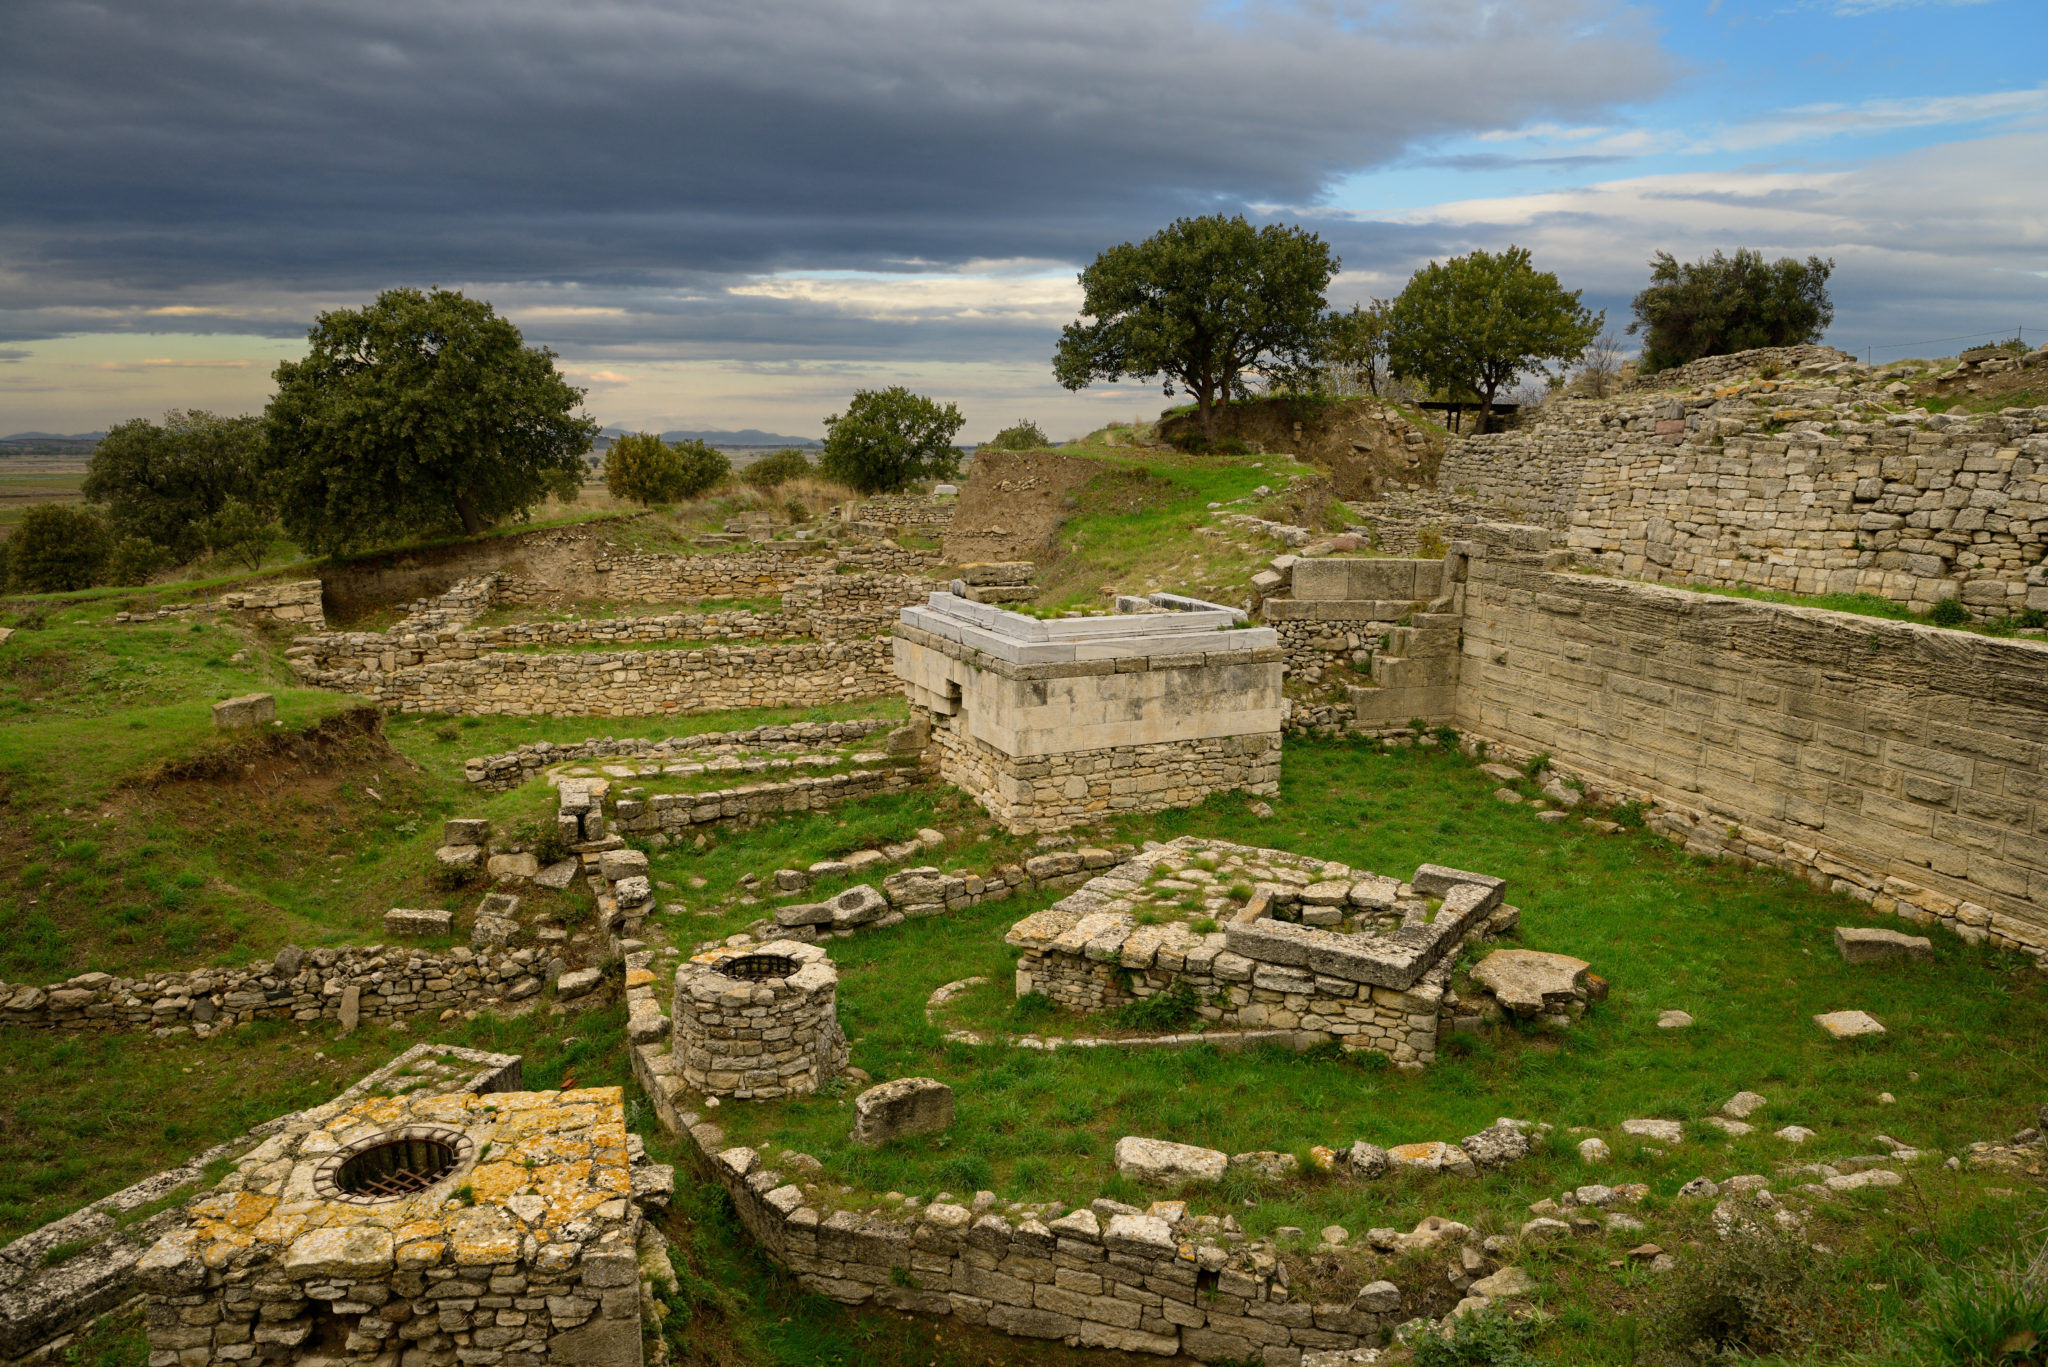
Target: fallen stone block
x=558 y=876
x=905 y=1106
x=1849 y=1024
x=250 y=709
x=465 y=831
x=1529 y=982
x=1870 y=945
x=1165 y=1163
x=618 y=864
x=512 y=866
x=858 y=906
x=577 y=982
x=416 y=921
x=459 y=856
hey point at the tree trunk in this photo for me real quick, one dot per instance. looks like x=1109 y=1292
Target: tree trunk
x=1486 y=408
x=471 y=523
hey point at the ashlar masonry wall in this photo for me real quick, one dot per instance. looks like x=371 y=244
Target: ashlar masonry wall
x=1908 y=765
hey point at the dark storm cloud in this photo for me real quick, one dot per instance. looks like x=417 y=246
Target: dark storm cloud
x=253 y=153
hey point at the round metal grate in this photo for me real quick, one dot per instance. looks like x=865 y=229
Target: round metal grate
x=755 y=967
x=391 y=1165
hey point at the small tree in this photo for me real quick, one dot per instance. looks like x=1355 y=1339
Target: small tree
x=646 y=469
x=1205 y=302
x=135 y=560
x=1354 y=348
x=161 y=482
x=56 y=548
x=423 y=412
x=1600 y=370
x=1022 y=435
x=1721 y=304
x=1474 y=323
x=239 y=532
x=777 y=468
x=889 y=438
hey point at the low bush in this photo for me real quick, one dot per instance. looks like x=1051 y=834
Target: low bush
x=1174 y=1009
x=1022 y=435
x=1751 y=1295
x=1997 y=1318
x=1487 y=1339
x=1949 y=613
x=777 y=469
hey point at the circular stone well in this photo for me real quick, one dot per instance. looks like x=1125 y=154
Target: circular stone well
x=758 y=1021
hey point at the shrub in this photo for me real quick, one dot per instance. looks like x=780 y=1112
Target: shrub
x=1173 y=1009
x=1022 y=435
x=1751 y=1294
x=161 y=482
x=778 y=469
x=644 y=468
x=544 y=839
x=56 y=548
x=135 y=560
x=1538 y=762
x=890 y=438
x=1949 y=613
x=2029 y=617
x=1488 y=1339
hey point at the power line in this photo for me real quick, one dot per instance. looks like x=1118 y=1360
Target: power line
x=1929 y=341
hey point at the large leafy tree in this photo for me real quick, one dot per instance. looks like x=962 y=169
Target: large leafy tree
x=1206 y=303
x=1354 y=348
x=889 y=438
x=423 y=412
x=56 y=547
x=1470 y=325
x=1722 y=304
x=162 y=482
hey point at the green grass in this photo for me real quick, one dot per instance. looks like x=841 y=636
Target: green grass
x=1747 y=953
x=1861 y=604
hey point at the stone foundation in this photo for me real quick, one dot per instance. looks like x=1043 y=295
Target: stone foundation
x=1319 y=949
x=1053 y=792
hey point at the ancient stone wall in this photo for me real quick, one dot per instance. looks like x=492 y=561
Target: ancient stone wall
x=511 y=768
x=1810 y=488
x=1906 y=765
x=1712 y=370
x=759 y=573
x=1053 y=792
x=672 y=814
x=350 y=984
x=758 y=1021
x=629 y=683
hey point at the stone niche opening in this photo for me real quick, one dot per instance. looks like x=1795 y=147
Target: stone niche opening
x=1267 y=940
x=1051 y=724
x=758 y=1022
x=376 y=1227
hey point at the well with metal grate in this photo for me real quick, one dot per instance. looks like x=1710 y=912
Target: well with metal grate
x=758 y=1021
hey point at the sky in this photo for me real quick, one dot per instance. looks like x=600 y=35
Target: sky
x=731 y=213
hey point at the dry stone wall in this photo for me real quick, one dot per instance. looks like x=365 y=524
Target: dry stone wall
x=632 y=683
x=1906 y=765
x=511 y=768
x=1807 y=487
x=369 y=983
x=668 y=578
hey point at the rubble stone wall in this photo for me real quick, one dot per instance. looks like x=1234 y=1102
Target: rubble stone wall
x=668 y=578
x=1906 y=765
x=511 y=768
x=672 y=814
x=373 y=983
x=1807 y=490
x=1053 y=792
x=631 y=683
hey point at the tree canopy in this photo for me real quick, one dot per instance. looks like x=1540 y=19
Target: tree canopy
x=163 y=482
x=424 y=412
x=1353 y=348
x=1470 y=325
x=57 y=548
x=1206 y=303
x=777 y=468
x=1021 y=435
x=889 y=438
x=1722 y=304
x=644 y=468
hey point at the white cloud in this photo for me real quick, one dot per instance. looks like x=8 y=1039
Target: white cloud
x=1010 y=292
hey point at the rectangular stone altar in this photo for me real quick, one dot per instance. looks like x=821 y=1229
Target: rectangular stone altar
x=1052 y=723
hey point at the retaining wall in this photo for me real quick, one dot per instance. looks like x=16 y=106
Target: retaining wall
x=511 y=768
x=1904 y=764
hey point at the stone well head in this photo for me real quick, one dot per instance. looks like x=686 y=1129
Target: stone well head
x=377 y=1225
x=758 y=1020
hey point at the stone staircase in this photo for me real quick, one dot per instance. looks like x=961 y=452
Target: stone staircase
x=1416 y=676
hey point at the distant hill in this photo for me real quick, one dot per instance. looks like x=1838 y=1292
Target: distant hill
x=745 y=436
x=50 y=444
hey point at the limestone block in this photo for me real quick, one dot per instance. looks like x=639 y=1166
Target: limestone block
x=250 y=709
x=577 y=983
x=857 y=906
x=1871 y=945
x=415 y=921
x=513 y=866
x=466 y=831
x=345 y=1253
x=1849 y=1024
x=1165 y=1163
x=618 y=864
x=903 y=1107
x=460 y=856
x=1530 y=982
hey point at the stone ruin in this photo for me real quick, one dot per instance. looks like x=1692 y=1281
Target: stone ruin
x=758 y=1021
x=485 y=1229
x=1048 y=724
x=1266 y=939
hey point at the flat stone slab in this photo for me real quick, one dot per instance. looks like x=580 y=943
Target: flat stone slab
x=1673 y=1020
x=1849 y=1024
x=418 y=921
x=1663 y=1131
x=1165 y=1163
x=1871 y=945
x=559 y=875
x=1742 y=1105
x=251 y=709
x=904 y=1106
x=577 y=983
x=1530 y=982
